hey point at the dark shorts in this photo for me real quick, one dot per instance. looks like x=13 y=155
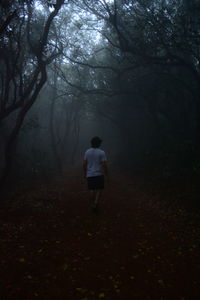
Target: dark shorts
x=95 y=182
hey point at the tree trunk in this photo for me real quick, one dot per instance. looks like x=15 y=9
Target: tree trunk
x=54 y=143
x=29 y=95
x=11 y=142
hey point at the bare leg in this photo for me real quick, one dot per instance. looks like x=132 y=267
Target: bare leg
x=97 y=196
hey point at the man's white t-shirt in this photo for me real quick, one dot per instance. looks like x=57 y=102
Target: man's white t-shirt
x=94 y=158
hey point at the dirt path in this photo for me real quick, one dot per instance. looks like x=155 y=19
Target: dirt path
x=54 y=247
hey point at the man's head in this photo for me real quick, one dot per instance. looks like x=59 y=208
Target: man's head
x=96 y=142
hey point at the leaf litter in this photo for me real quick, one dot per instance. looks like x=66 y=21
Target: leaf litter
x=52 y=246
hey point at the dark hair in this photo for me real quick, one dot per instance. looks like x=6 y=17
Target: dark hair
x=96 y=142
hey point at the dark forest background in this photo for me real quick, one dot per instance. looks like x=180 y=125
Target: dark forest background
x=126 y=70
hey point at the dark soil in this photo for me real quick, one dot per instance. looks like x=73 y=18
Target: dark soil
x=143 y=243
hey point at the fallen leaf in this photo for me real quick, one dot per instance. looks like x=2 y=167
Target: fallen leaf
x=65 y=267
x=161 y=282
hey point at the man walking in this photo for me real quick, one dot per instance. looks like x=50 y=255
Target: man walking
x=95 y=166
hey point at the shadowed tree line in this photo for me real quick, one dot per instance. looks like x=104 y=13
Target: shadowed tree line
x=25 y=53
x=128 y=69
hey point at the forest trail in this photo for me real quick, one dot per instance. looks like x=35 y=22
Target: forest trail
x=54 y=247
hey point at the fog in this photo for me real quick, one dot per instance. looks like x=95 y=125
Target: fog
x=116 y=223
x=126 y=71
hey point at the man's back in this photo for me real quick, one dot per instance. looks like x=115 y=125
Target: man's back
x=94 y=157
